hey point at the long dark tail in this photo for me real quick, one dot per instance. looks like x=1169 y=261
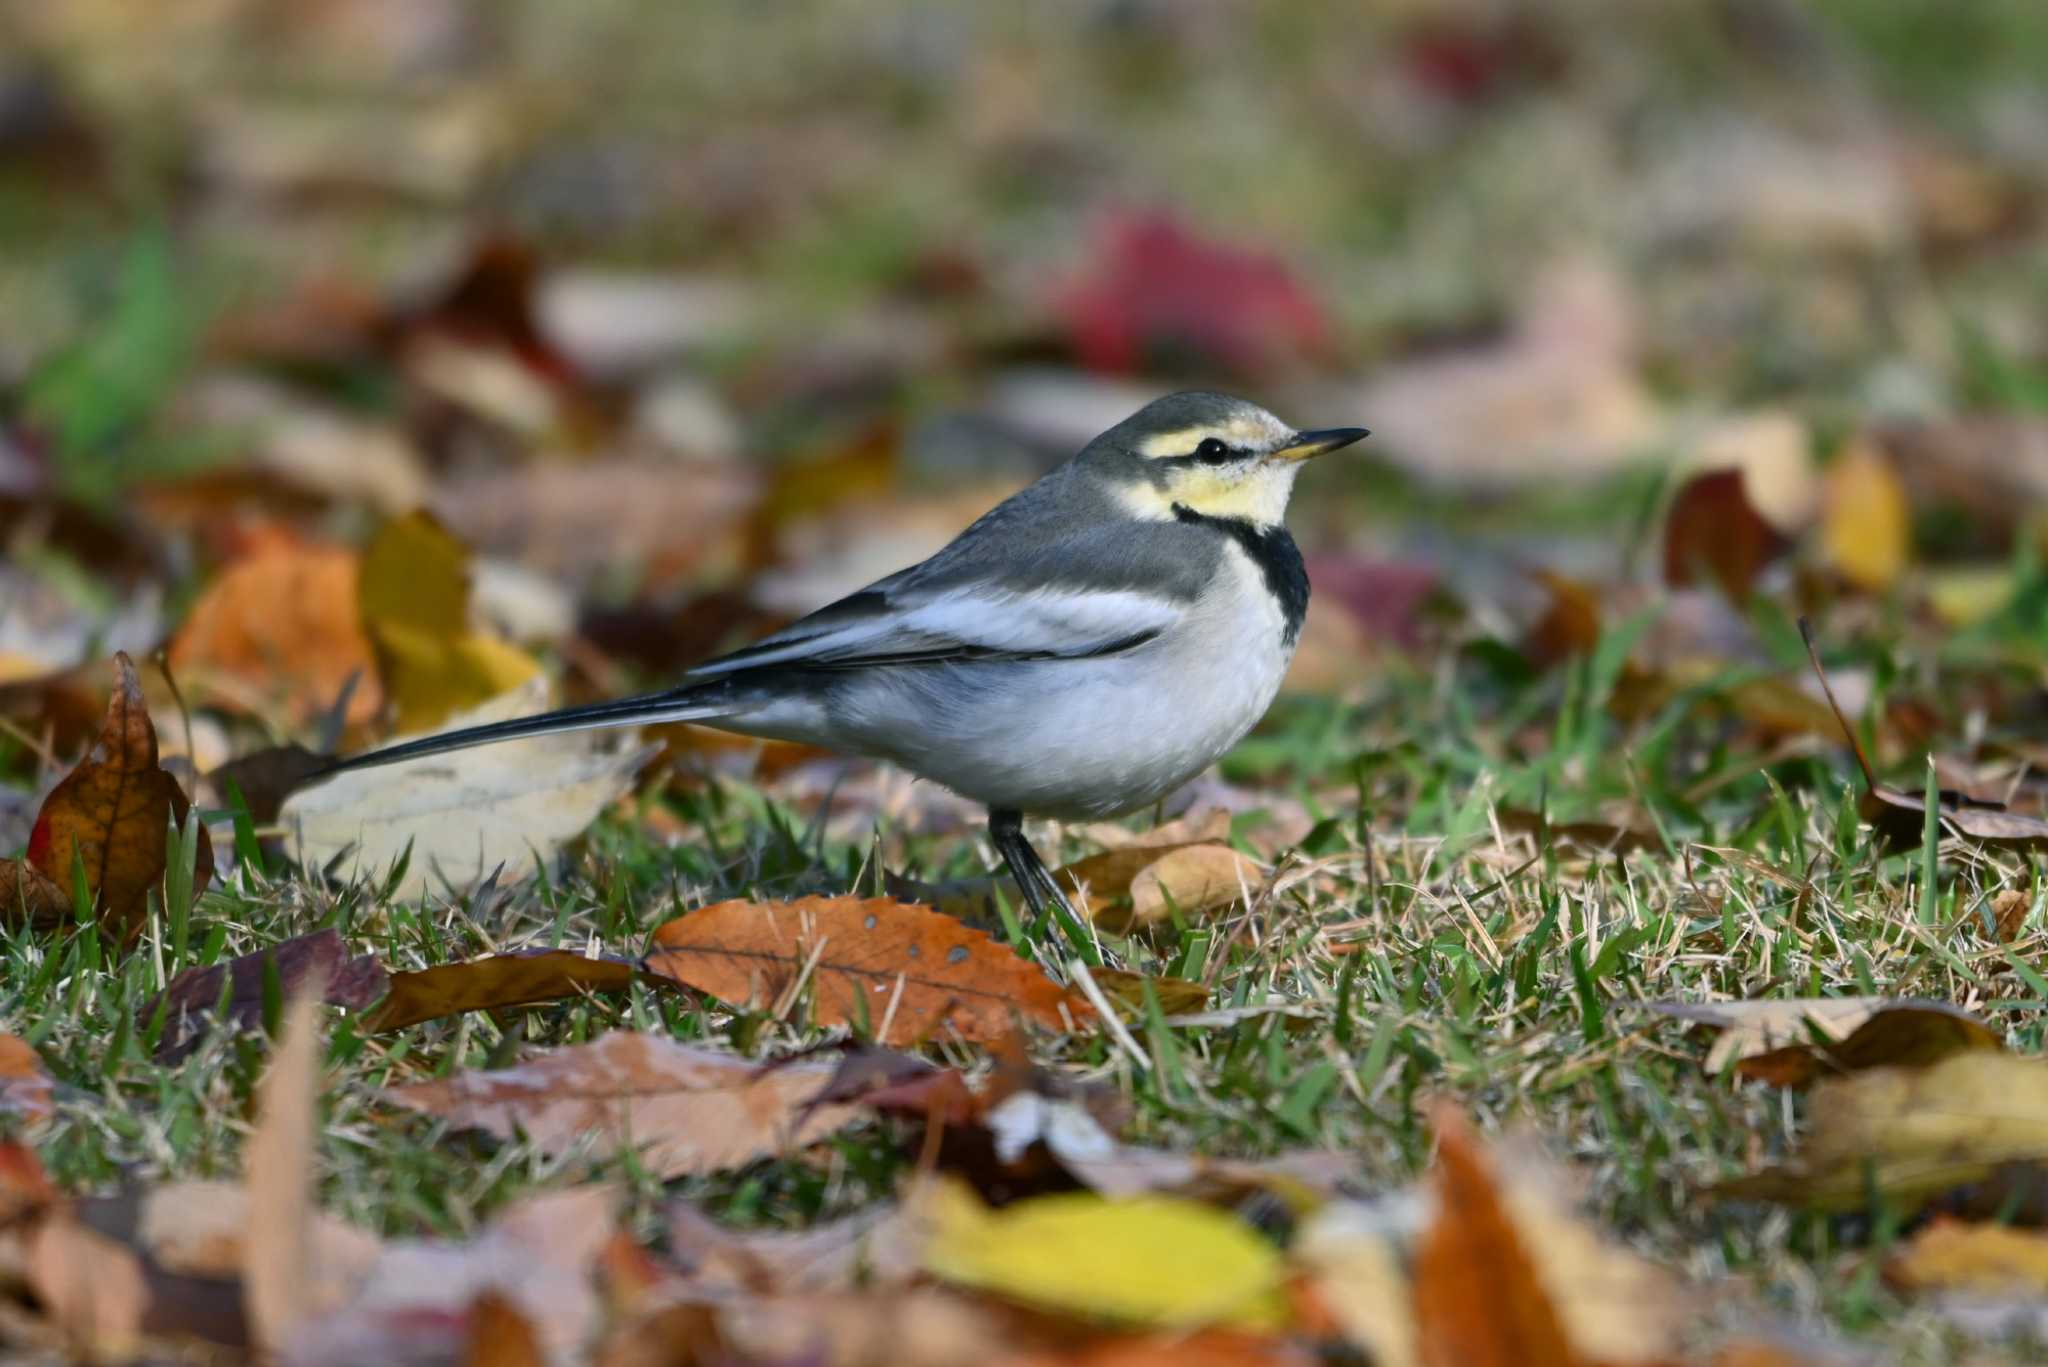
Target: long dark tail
x=677 y=704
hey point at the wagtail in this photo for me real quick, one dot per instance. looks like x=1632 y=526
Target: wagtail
x=1090 y=644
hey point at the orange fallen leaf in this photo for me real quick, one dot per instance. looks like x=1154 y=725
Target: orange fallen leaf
x=1477 y=1298
x=1570 y=624
x=111 y=816
x=910 y=973
x=685 y=1109
x=279 y=626
x=24 y=1087
x=500 y=1335
x=525 y=978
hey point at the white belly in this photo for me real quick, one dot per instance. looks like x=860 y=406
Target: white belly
x=1066 y=738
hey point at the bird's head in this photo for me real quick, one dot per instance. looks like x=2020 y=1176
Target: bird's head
x=1209 y=453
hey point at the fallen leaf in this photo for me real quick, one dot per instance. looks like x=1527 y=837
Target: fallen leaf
x=1712 y=530
x=414 y=596
x=1789 y=1033
x=266 y=777
x=92 y=1288
x=1149 y=1260
x=522 y=978
x=1866 y=527
x=1156 y=287
x=500 y=1335
x=683 y=1109
x=319 y=957
x=25 y=1088
x=910 y=973
x=29 y=898
x=918 y=1327
x=494 y=809
x=877 y=1247
x=111 y=816
x=1198 y=877
x=1985 y=1259
x=1477 y=1297
x=277 y=1265
x=1570 y=624
x=279 y=627
x=1900 y=1035
x=203 y=1228
x=1911 y=1134
x=1900 y=817
x=412 y=1304
x=1626 y=829
x=1126 y=991
x=1202 y=1348
x=1358 y=1277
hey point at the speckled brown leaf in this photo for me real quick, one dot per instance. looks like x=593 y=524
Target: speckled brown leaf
x=112 y=813
x=1478 y=1301
x=524 y=978
x=910 y=972
x=685 y=1109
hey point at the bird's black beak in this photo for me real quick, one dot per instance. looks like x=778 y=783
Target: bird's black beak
x=1308 y=445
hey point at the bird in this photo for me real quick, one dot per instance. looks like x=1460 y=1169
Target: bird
x=1083 y=649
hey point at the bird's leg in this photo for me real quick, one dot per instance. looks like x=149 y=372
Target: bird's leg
x=1041 y=892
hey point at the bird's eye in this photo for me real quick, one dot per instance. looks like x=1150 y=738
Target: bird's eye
x=1213 y=448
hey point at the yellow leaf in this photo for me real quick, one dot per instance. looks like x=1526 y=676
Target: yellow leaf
x=1992 y=1260
x=1866 y=529
x=1966 y=595
x=414 y=596
x=1148 y=1260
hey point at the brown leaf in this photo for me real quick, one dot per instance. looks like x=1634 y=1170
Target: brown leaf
x=1911 y=1134
x=320 y=956
x=685 y=1109
x=277 y=1265
x=112 y=814
x=279 y=627
x=1126 y=992
x=1990 y=1259
x=1570 y=624
x=1210 y=1347
x=1712 y=527
x=1194 y=881
x=29 y=898
x=523 y=978
x=1906 y=1035
x=1477 y=1299
x=1790 y=1042
x=908 y=971
x=25 y=1087
x=92 y=1287
x=500 y=1335
x=1627 y=829
x=267 y=777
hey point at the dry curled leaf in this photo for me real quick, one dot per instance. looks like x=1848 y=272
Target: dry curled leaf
x=1791 y=1041
x=522 y=978
x=1714 y=532
x=683 y=1109
x=908 y=972
x=110 y=817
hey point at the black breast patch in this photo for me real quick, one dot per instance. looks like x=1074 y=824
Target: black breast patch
x=1277 y=557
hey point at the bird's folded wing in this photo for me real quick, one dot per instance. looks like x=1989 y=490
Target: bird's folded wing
x=886 y=625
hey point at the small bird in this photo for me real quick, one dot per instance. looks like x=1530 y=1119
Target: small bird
x=1087 y=646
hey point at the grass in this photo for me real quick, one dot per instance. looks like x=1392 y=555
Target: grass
x=1422 y=950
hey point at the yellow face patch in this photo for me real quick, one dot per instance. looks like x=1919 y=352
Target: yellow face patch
x=1258 y=493
x=1246 y=434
